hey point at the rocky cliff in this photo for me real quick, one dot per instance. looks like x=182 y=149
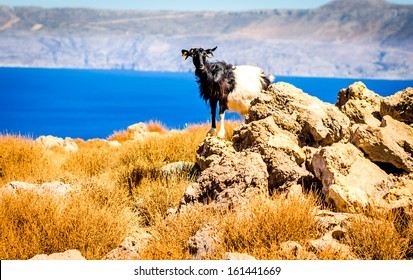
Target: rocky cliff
x=370 y=38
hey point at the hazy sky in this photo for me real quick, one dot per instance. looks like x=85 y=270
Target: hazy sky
x=178 y=4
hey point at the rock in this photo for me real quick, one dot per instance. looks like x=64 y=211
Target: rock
x=49 y=142
x=399 y=194
x=179 y=168
x=137 y=131
x=114 y=144
x=330 y=220
x=213 y=149
x=349 y=180
x=67 y=255
x=228 y=181
x=347 y=198
x=203 y=243
x=327 y=242
x=312 y=121
x=392 y=142
x=360 y=104
x=237 y=257
x=295 y=250
x=58 y=188
x=278 y=148
x=127 y=250
x=399 y=106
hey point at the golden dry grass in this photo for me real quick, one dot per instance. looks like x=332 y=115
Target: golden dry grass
x=257 y=228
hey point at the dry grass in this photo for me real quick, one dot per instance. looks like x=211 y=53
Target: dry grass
x=380 y=237
x=93 y=221
x=257 y=228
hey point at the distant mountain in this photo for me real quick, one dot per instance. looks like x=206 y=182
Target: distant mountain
x=345 y=38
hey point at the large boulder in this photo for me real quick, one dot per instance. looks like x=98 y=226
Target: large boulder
x=360 y=104
x=313 y=122
x=399 y=106
x=350 y=181
x=278 y=148
x=228 y=181
x=392 y=142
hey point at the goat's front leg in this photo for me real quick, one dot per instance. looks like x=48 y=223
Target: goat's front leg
x=221 y=132
x=213 y=105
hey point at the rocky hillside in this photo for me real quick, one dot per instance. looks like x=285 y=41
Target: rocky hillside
x=370 y=38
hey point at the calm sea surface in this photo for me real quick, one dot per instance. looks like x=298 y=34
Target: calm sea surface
x=95 y=103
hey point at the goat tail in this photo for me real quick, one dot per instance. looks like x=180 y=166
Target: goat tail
x=266 y=80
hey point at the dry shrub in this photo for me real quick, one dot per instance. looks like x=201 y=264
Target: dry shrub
x=154 y=197
x=156 y=126
x=91 y=160
x=376 y=237
x=93 y=221
x=22 y=160
x=260 y=227
x=120 y=136
x=170 y=237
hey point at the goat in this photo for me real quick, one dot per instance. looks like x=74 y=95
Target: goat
x=234 y=87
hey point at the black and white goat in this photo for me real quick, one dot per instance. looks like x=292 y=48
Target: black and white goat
x=234 y=87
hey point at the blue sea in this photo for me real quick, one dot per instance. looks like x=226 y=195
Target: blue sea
x=95 y=103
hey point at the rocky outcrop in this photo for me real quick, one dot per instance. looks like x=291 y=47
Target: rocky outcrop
x=50 y=142
x=399 y=106
x=293 y=141
x=313 y=122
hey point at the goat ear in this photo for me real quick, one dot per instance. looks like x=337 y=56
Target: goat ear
x=210 y=51
x=185 y=54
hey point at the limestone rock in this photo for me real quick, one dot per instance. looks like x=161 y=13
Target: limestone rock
x=237 y=257
x=392 y=142
x=67 y=255
x=51 y=187
x=360 y=104
x=49 y=142
x=278 y=148
x=137 y=131
x=292 y=249
x=229 y=180
x=179 y=168
x=130 y=247
x=203 y=243
x=327 y=242
x=212 y=149
x=349 y=180
x=399 y=106
x=312 y=121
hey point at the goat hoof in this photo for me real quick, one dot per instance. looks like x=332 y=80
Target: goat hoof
x=211 y=132
x=221 y=134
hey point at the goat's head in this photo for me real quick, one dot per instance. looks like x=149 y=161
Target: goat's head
x=199 y=56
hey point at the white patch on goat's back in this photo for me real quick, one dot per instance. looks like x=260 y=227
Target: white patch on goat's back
x=248 y=86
